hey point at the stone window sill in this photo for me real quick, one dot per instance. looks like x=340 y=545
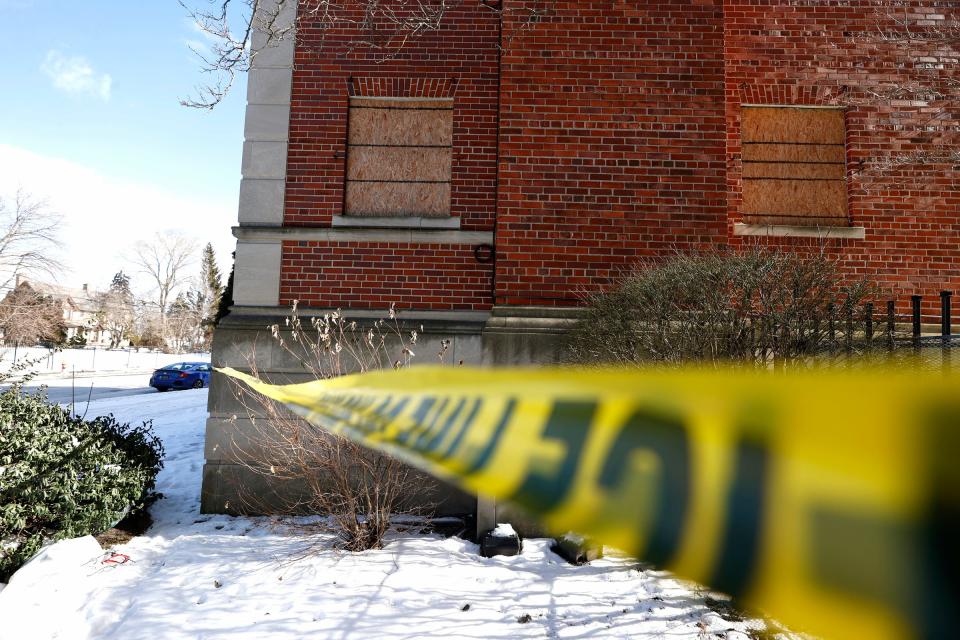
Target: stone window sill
x=789 y=231
x=406 y=222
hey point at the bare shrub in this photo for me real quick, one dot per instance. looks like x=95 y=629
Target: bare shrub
x=758 y=307
x=312 y=471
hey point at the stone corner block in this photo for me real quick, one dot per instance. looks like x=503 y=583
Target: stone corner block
x=261 y=201
x=257 y=274
x=264 y=159
x=267 y=122
x=269 y=85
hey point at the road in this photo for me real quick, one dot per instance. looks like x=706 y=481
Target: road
x=80 y=390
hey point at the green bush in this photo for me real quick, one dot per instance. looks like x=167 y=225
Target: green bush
x=62 y=476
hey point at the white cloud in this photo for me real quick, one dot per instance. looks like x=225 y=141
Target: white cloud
x=201 y=43
x=104 y=217
x=75 y=75
x=197 y=46
x=205 y=34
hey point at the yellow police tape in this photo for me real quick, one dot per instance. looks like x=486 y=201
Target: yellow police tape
x=830 y=501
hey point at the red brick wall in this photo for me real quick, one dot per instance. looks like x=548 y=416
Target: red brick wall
x=812 y=52
x=612 y=141
x=618 y=139
x=374 y=275
x=459 y=60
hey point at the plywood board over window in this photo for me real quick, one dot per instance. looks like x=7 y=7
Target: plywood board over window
x=399 y=155
x=794 y=166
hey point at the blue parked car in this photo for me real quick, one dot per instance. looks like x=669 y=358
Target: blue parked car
x=182 y=375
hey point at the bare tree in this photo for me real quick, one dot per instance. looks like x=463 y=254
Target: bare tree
x=28 y=239
x=185 y=322
x=146 y=326
x=27 y=316
x=115 y=309
x=241 y=29
x=165 y=259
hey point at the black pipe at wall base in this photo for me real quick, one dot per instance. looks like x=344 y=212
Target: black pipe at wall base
x=891 y=322
x=945 y=328
x=915 y=309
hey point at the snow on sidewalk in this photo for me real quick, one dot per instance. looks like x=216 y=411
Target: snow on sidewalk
x=195 y=576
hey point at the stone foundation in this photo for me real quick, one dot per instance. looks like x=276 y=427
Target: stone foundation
x=243 y=340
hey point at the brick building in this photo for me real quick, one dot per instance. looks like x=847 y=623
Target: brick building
x=494 y=169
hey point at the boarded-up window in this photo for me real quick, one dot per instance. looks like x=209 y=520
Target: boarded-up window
x=398 y=157
x=794 y=166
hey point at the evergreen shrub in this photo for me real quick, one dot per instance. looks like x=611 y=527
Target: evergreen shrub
x=63 y=476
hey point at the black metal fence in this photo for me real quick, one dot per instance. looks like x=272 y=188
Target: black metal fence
x=901 y=340
x=946 y=330
x=892 y=332
x=865 y=334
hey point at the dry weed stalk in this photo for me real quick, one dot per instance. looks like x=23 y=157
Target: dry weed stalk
x=311 y=471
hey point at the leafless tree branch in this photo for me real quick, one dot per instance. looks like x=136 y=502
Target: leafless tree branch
x=241 y=29
x=164 y=260
x=29 y=239
x=914 y=76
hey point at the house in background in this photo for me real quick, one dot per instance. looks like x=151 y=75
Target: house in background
x=502 y=165
x=79 y=311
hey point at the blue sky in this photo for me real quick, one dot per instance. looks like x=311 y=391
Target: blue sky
x=91 y=115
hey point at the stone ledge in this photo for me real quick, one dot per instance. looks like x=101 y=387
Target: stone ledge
x=399 y=222
x=790 y=231
x=529 y=325
x=434 y=323
x=541 y=320
x=517 y=311
x=330 y=234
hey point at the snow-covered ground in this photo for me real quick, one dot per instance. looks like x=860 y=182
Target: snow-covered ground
x=197 y=576
x=63 y=363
